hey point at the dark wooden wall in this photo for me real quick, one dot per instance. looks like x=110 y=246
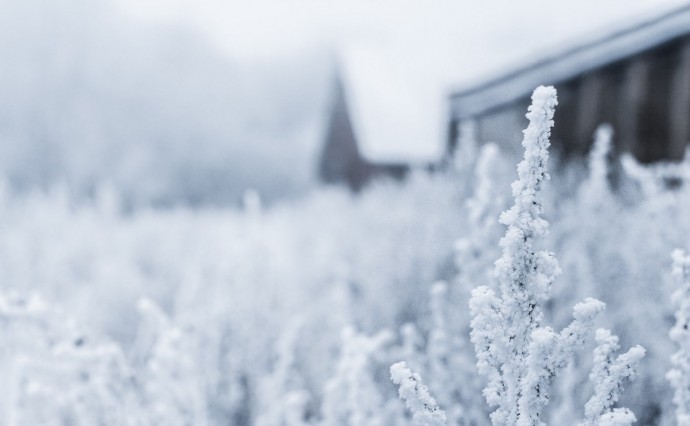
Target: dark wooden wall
x=645 y=97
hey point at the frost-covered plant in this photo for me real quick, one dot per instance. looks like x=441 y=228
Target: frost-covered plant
x=517 y=354
x=172 y=386
x=608 y=375
x=351 y=396
x=594 y=198
x=596 y=190
x=643 y=176
x=445 y=361
x=617 y=417
x=466 y=149
x=448 y=356
x=440 y=349
x=425 y=410
x=484 y=198
x=656 y=178
x=232 y=279
x=77 y=384
x=586 y=261
x=654 y=222
x=679 y=375
x=411 y=346
x=477 y=250
x=54 y=374
x=171 y=376
x=216 y=271
x=283 y=398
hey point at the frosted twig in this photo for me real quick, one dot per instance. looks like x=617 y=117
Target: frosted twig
x=608 y=375
x=425 y=411
x=679 y=376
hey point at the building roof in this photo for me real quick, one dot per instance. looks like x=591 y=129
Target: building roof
x=599 y=51
x=389 y=105
x=397 y=85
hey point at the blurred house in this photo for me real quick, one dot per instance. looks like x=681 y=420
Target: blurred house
x=380 y=124
x=384 y=119
x=342 y=159
x=637 y=79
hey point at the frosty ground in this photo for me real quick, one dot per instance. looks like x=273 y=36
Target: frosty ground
x=293 y=314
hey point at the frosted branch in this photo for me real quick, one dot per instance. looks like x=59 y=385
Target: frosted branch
x=679 y=375
x=608 y=375
x=425 y=411
x=518 y=355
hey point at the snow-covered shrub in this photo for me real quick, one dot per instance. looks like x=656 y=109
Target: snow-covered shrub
x=574 y=235
x=476 y=251
x=283 y=399
x=446 y=359
x=518 y=355
x=608 y=375
x=679 y=376
x=218 y=343
x=55 y=375
x=230 y=281
x=612 y=244
x=172 y=386
x=351 y=396
x=424 y=409
x=580 y=233
x=446 y=355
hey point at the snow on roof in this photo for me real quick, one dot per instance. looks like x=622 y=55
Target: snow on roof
x=396 y=113
x=568 y=63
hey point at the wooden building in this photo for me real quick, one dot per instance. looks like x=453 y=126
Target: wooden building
x=637 y=79
x=384 y=119
x=342 y=159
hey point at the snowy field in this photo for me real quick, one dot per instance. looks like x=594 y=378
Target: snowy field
x=167 y=258
x=293 y=314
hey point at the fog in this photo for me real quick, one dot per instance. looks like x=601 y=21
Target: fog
x=194 y=102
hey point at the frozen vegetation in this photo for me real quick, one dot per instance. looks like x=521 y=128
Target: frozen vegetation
x=406 y=304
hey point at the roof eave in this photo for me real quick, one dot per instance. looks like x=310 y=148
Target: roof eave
x=519 y=83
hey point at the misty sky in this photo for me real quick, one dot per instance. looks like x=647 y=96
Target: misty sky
x=459 y=29
x=153 y=108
